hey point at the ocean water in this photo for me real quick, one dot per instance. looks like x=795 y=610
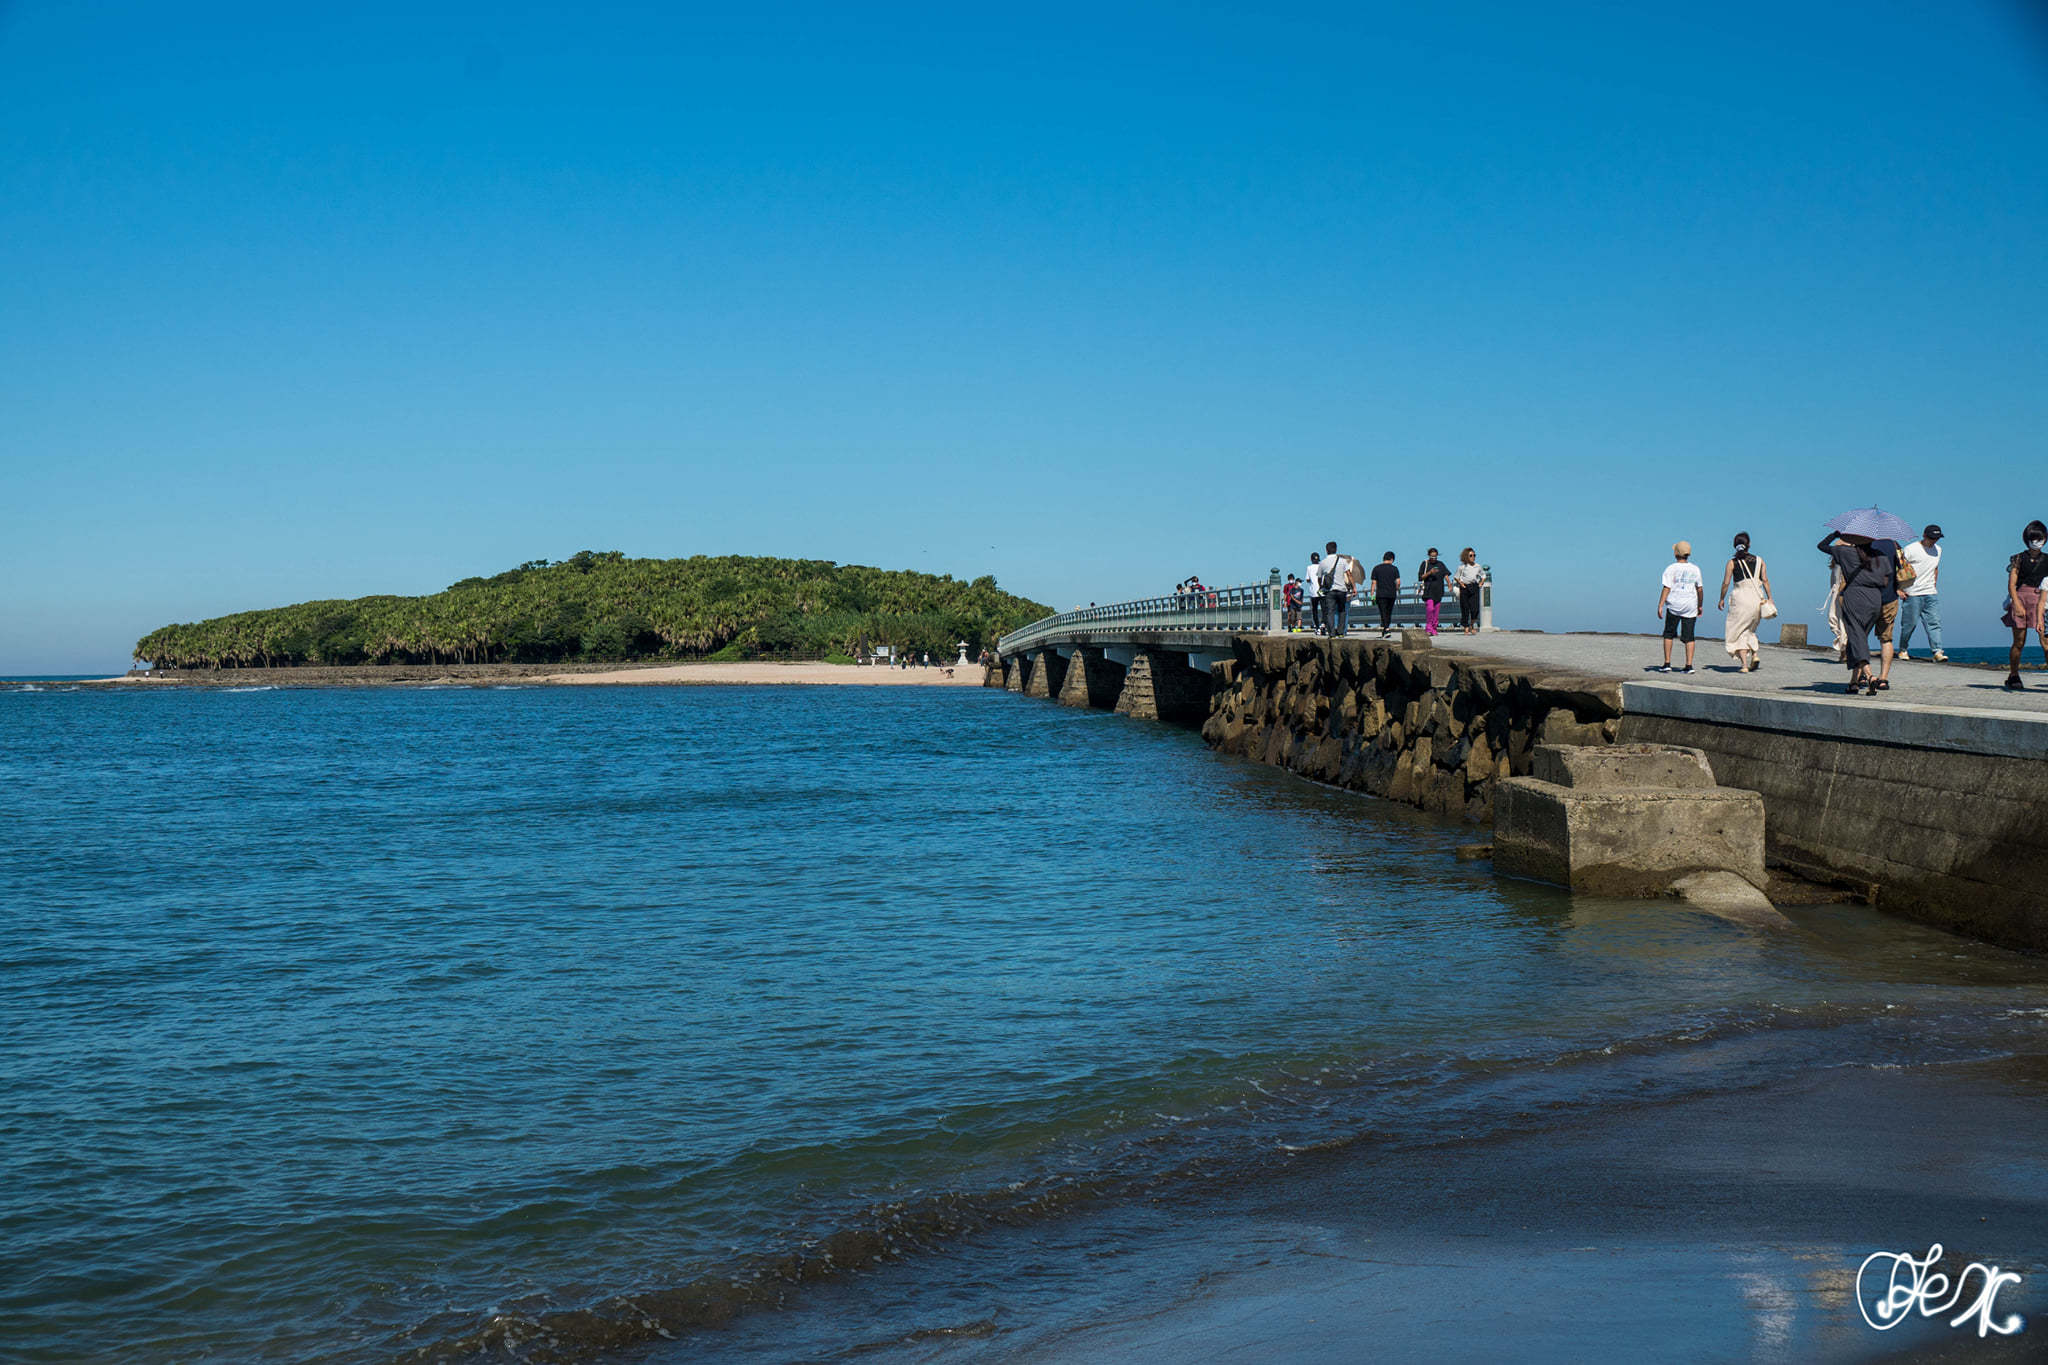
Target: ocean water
x=794 y=1023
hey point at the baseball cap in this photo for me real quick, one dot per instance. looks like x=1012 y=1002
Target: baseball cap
x=1931 y=533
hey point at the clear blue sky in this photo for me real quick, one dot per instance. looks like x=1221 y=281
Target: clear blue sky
x=312 y=301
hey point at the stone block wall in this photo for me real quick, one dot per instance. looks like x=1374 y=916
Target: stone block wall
x=1426 y=728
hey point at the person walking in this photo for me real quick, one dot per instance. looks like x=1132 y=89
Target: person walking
x=1887 y=610
x=1429 y=586
x=1920 y=598
x=1337 y=580
x=1863 y=575
x=1469 y=578
x=1312 y=588
x=1386 y=588
x=1833 y=606
x=1290 y=597
x=1745 y=588
x=2024 y=599
x=1679 y=602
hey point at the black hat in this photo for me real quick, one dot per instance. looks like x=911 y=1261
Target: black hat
x=1931 y=533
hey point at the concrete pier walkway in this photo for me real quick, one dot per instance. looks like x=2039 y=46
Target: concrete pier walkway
x=1956 y=708
x=1785 y=671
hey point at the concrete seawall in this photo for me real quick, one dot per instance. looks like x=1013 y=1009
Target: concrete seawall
x=1941 y=816
x=1936 y=812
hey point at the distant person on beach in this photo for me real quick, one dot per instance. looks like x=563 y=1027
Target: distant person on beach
x=1290 y=597
x=1679 y=602
x=1469 y=578
x=1337 y=581
x=1862 y=600
x=2024 y=599
x=1429 y=586
x=1745 y=587
x=1312 y=586
x=1920 y=599
x=1386 y=587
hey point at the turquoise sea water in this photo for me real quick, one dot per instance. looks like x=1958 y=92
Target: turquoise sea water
x=588 y=1023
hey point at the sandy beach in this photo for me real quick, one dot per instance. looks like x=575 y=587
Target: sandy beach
x=653 y=675
x=499 y=675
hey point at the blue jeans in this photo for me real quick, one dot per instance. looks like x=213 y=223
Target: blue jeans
x=1920 y=611
x=1338 y=610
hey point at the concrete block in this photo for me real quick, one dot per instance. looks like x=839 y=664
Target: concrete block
x=1792 y=634
x=1626 y=841
x=1623 y=765
x=1730 y=897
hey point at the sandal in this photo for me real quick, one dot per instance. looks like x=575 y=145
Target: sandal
x=1881 y=685
x=2013 y=684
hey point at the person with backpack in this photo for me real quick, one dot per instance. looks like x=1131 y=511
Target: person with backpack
x=1290 y=597
x=1745 y=592
x=1339 y=574
x=1312 y=589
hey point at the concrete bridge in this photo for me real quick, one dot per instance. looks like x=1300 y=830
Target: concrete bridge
x=1150 y=658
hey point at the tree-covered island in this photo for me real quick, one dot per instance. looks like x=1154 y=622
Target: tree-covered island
x=600 y=605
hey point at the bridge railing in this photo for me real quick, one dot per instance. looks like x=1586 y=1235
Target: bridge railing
x=1248 y=608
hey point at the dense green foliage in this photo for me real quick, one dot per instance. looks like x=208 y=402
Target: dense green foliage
x=601 y=605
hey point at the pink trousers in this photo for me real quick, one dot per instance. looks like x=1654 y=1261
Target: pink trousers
x=1429 y=614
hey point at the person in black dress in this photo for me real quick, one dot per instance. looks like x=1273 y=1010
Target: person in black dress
x=1863 y=574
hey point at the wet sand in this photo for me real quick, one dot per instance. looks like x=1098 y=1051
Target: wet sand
x=1728 y=1227
x=661 y=675
x=500 y=675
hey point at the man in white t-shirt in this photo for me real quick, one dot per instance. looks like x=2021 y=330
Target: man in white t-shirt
x=1336 y=591
x=1920 y=600
x=1685 y=590
x=1312 y=586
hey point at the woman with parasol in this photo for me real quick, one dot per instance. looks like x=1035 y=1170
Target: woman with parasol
x=1865 y=573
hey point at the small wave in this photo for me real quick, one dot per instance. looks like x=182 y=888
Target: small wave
x=1260 y=1126
x=266 y=687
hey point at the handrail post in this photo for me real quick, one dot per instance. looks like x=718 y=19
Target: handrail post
x=1276 y=620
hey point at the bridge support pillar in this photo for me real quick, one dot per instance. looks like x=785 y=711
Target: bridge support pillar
x=1013 y=673
x=1093 y=681
x=1046 y=675
x=1161 y=686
